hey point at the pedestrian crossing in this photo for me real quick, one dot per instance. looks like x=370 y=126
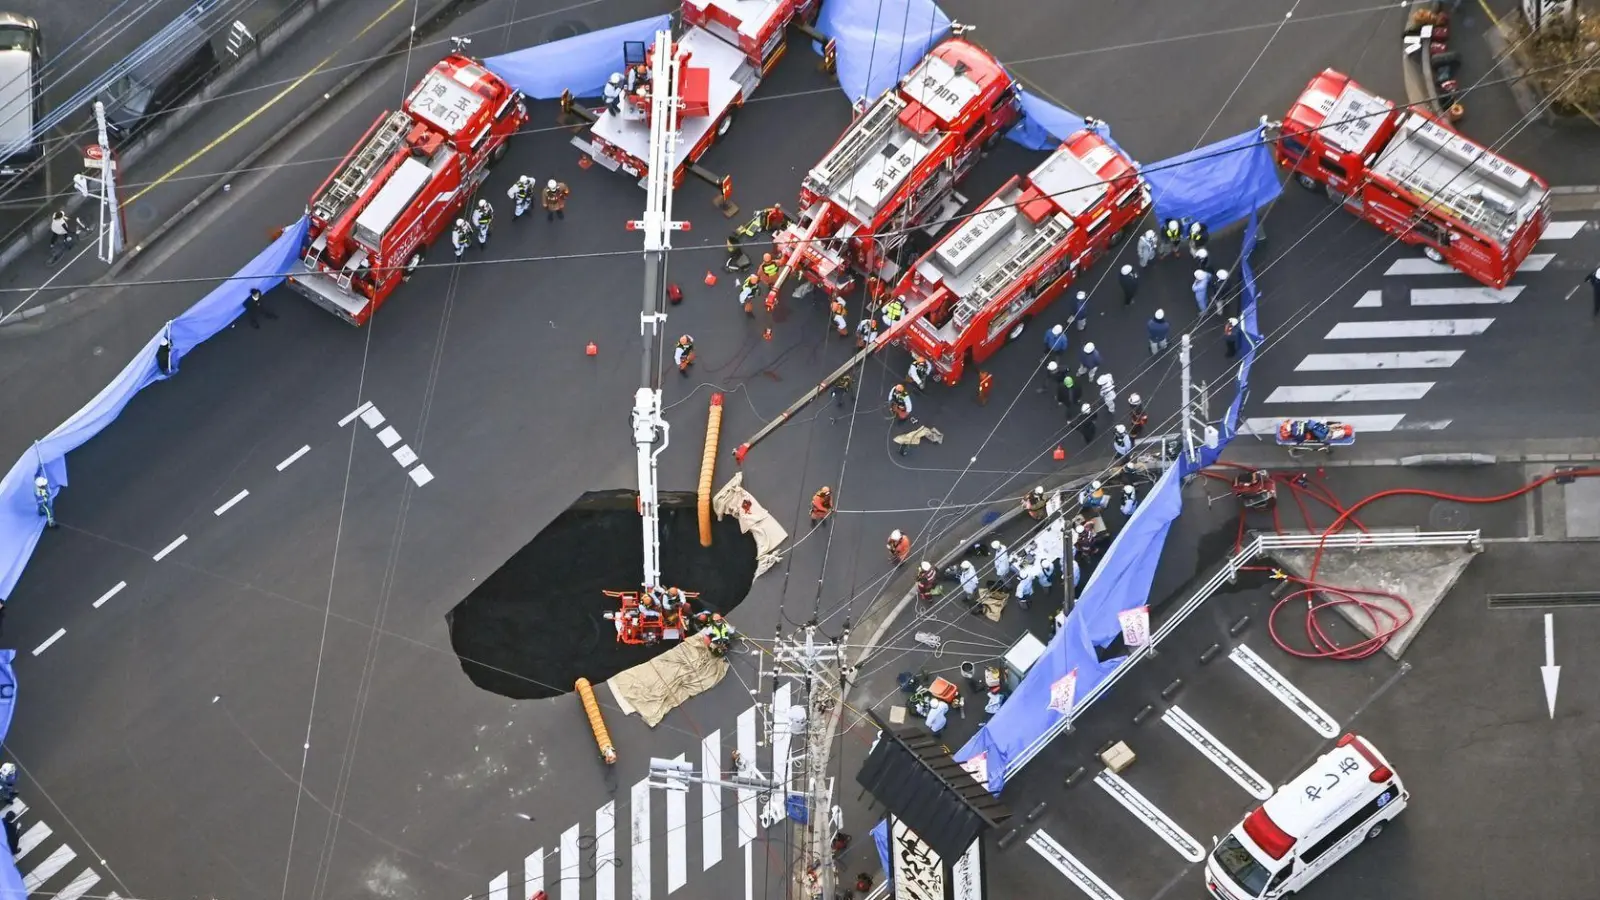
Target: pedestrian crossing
x=49 y=865
x=1252 y=672
x=1427 y=308
x=650 y=854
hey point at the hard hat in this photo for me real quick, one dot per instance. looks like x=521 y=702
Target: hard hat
x=686 y=339
x=1094 y=485
x=482 y=202
x=552 y=184
x=927 y=566
x=1088 y=347
x=1083 y=295
x=1127 y=270
x=894 y=535
x=1202 y=253
x=1077 y=530
x=460 y=222
x=1233 y=321
x=1122 y=429
x=1195 y=227
x=766 y=257
x=1057 y=329
x=996 y=546
x=1174 y=222
x=1161 y=315
x=1104 y=380
x=1150 y=233
x=1221 y=274
x=1051 y=367
x=1085 y=409
x=1128 y=491
x=7 y=770
x=966 y=564
x=1134 y=399
x=1038 y=490
x=1201 y=275
x=41 y=481
x=616 y=77
x=716 y=617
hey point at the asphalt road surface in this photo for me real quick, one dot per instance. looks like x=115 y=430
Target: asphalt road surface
x=272 y=705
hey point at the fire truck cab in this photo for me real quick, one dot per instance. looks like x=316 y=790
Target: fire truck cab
x=978 y=288
x=897 y=165
x=726 y=48
x=403 y=185
x=1415 y=177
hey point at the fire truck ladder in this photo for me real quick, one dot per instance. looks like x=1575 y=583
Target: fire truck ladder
x=1474 y=210
x=353 y=177
x=1008 y=270
x=866 y=136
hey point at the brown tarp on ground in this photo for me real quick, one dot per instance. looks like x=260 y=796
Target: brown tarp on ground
x=734 y=500
x=655 y=688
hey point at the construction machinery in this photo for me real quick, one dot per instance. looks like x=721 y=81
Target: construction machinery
x=1414 y=176
x=981 y=285
x=896 y=169
x=403 y=185
x=724 y=50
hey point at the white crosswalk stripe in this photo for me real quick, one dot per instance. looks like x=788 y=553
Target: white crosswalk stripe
x=1407 y=328
x=1350 y=393
x=58 y=859
x=632 y=852
x=1402 y=359
x=1462 y=296
x=1421 y=265
x=1561 y=231
x=33 y=837
x=80 y=885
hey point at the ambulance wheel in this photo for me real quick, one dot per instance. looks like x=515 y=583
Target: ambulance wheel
x=1375 y=830
x=1432 y=253
x=412 y=264
x=1017 y=329
x=725 y=124
x=1307 y=182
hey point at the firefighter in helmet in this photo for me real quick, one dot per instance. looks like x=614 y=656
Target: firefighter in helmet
x=1137 y=417
x=821 y=505
x=612 y=93
x=927 y=581
x=841 y=323
x=482 y=218
x=748 y=289
x=522 y=193
x=461 y=237
x=1034 y=503
x=1198 y=235
x=919 y=372
x=1171 y=238
x=555 y=200
x=684 y=354
x=900 y=402
x=899 y=547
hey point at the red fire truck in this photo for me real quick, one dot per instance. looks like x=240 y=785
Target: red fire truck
x=727 y=47
x=1413 y=176
x=403 y=185
x=979 y=286
x=898 y=166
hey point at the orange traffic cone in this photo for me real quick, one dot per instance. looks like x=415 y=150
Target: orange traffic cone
x=591 y=350
x=711 y=279
x=1059 y=454
x=585 y=161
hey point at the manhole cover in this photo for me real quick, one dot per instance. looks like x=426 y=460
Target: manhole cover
x=144 y=212
x=1449 y=517
x=564 y=30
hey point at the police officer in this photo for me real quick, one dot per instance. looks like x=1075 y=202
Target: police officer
x=45 y=503
x=253 y=309
x=1230 y=338
x=1121 y=443
x=1129 y=280
x=1158 y=330
x=522 y=193
x=482 y=219
x=1202 y=289
x=683 y=354
x=461 y=237
x=555 y=200
x=1088 y=360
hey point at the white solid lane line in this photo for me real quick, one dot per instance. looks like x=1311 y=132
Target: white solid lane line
x=605 y=851
x=1410 y=328
x=1151 y=815
x=32 y=838
x=711 y=801
x=639 y=837
x=1404 y=359
x=55 y=862
x=1287 y=694
x=1367 y=424
x=176 y=543
x=231 y=503
x=1068 y=865
x=289 y=461
x=48 y=641
x=677 y=837
x=1561 y=231
x=569 y=865
x=1220 y=755
x=1421 y=265
x=747 y=798
x=109 y=594
x=1370 y=300
x=355 y=412
x=1468 y=296
x=1350 y=393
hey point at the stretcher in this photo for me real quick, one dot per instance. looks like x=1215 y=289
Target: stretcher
x=1297 y=435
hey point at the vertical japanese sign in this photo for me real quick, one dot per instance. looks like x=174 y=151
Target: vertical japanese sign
x=918 y=871
x=966 y=876
x=1135 y=626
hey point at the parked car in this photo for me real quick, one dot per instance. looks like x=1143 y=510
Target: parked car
x=167 y=70
x=21 y=97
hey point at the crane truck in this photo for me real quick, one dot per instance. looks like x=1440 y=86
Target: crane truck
x=897 y=168
x=723 y=52
x=403 y=185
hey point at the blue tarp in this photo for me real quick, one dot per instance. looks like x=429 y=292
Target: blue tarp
x=1217 y=184
x=1252 y=340
x=880 y=40
x=880 y=837
x=11 y=886
x=1045 y=125
x=578 y=64
x=20 y=523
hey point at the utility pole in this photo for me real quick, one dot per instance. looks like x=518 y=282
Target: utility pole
x=1195 y=429
x=98 y=181
x=816 y=661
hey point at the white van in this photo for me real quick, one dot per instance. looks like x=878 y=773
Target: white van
x=1309 y=824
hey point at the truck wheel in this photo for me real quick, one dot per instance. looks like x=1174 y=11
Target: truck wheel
x=1120 y=235
x=499 y=152
x=1307 y=182
x=724 y=126
x=1432 y=253
x=1017 y=329
x=1335 y=196
x=412 y=264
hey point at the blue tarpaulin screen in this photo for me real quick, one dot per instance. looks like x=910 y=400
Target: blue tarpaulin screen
x=1045 y=125
x=11 y=886
x=20 y=523
x=1217 y=184
x=880 y=837
x=880 y=40
x=578 y=64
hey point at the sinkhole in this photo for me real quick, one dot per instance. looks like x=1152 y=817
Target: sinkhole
x=537 y=624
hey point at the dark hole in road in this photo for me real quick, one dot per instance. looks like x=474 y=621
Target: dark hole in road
x=537 y=624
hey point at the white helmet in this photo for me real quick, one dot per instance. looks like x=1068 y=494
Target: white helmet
x=996 y=546
x=966 y=564
x=1128 y=491
x=1038 y=489
x=482 y=203
x=894 y=535
x=1051 y=367
x=1161 y=315
x=1088 y=347
x=1200 y=275
x=927 y=566
x=1150 y=233
x=461 y=223
x=1233 y=322
x=1104 y=380
x=1083 y=295
x=1085 y=409
x=1222 y=274
x=1057 y=329
x=1202 y=253
x=616 y=77
x=41 y=481
x=8 y=770
x=1127 y=270
x=552 y=184
x=1122 y=429
x=1094 y=485
x=1134 y=399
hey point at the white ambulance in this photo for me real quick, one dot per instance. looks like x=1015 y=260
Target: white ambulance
x=1344 y=798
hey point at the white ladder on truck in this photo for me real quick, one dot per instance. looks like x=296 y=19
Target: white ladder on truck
x=1004 y=272
x=353 y=177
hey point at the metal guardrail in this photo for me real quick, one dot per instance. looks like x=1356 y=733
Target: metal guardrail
x=1258 y=545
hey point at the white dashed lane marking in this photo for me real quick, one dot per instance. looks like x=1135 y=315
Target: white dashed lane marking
x=355 y=412
x=48 y=641
x=232 y=503
x=171 y=547
x=109 y=594
x=294 y=456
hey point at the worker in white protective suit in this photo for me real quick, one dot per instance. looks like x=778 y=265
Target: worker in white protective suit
x=1108 y=392
x=522 y=192
x=461 y=237
x=613 y=92
x=969 y=580
x=1002 y=562
x=482 y=218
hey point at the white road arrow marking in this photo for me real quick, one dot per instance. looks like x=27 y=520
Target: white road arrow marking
x=1550 y=671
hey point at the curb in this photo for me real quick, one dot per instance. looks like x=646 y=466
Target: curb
x=1418 y=72
x=429 y=18
x=179 y=117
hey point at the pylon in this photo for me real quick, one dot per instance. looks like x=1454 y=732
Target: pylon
x=767 y=335
x=711 y=278
x=591 y=350
x=1059 y=454
x=585 y=161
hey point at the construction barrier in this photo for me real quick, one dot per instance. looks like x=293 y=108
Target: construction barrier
x=602 y=737
x=708 y=468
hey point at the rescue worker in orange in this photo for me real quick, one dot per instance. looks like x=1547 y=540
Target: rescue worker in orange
x=821 y=506
x=554 y=197
x=768 y=270
x=1137 y=418
x=683 y=355
x=841 y=324
x=927 y=581
x=985 y=384
x=900 y=402
x=899 y=547
x=770 y=219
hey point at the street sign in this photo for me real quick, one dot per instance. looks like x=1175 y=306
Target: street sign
x=1135 y=626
